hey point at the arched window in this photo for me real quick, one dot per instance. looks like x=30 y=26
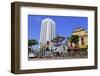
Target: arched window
x=82 y=40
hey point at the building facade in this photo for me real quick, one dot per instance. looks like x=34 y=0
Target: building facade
x=47 y=32
x=83 y=37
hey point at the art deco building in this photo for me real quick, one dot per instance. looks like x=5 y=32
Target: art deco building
x=83 y=37
x=47 y=32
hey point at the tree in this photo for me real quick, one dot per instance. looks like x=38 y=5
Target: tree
x=75 y=39
x=31 y=43
x=68 y=38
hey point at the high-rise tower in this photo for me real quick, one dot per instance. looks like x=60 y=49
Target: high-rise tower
x=47 y=30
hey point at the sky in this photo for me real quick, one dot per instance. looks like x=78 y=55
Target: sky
x=65 y=25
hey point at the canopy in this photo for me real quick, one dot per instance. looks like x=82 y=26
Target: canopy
x=58 y=40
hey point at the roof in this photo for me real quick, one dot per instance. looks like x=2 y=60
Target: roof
x=78 y=29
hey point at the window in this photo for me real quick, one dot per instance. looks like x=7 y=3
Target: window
x=82 y=40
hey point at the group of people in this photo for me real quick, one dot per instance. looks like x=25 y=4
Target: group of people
x=61 y=51
x=72 y=48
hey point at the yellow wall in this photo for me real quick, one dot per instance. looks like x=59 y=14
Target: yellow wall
x=82 y=34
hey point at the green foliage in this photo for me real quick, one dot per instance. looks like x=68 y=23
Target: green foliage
x=74 y=38
x=32 y=42
x=68 y=38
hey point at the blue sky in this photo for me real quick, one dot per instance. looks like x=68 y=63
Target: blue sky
x=64 y=25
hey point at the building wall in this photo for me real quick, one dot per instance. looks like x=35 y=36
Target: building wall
x=47 y=30
x=82 y=34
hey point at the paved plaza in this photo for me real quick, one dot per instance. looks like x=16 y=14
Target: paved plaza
x=62 y=55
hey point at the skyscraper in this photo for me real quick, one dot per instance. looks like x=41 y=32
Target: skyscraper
x=47 y=30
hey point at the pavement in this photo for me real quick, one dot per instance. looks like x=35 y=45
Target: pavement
x=67 y=56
